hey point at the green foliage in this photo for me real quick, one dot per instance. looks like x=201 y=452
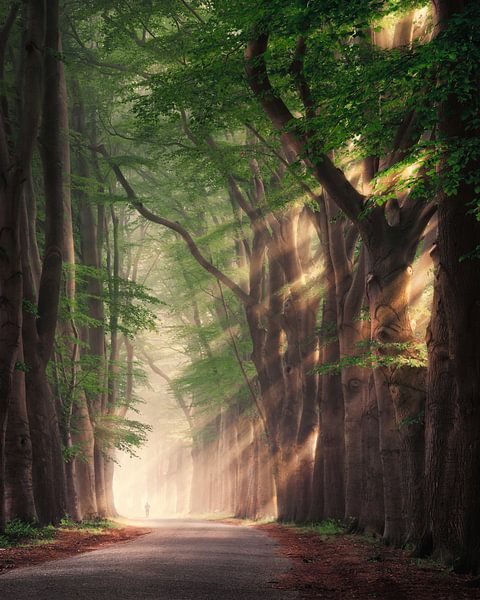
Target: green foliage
x=21 y=366
x=133 y=304
x=18 y=532
x=90 y=525
x=116 y=431
x=410 y=354
x=29 y=307
x=326 y=528
x=173 y=111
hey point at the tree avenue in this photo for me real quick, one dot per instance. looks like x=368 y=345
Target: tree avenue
x=281 y=197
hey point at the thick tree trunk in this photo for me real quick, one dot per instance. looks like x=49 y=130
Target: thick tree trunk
x=333 y=440
x=400 y=388
x=266 y=489
x=48 y=466
x=100 y=484
x=441 y=429
x=91 y=236
x=19 y=498
x=332 y=409
x=14 y=169
x=82 y=435
x=372 y=517
x=39 y=330
x=316 y=512
x=459 y=291
x=10 y=327
x=109 y=474
x=390 y=453
x=67 y=327
x=350 y=291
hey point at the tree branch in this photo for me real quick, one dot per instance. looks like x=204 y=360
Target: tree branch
x=332 y=179
x=283 y=160
x=299 y=77
x=193 y=11
x=174 y=226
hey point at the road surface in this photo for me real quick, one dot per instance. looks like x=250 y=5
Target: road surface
x=179 y=560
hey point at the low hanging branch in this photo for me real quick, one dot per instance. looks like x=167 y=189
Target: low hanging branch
x=174 y=226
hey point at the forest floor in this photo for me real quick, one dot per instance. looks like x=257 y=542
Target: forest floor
x=348 y=567
x=63 y=542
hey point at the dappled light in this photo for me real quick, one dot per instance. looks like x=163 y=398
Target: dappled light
x=239 y=294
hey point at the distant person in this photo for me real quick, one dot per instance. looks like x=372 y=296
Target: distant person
x=147 y=509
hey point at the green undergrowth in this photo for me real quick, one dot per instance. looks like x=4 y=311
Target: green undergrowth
x=328 y=527
x=18 y=534
x=431 y=564
x=89 y=525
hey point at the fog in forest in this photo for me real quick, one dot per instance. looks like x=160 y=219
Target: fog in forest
x=239 y=247
x=151 y=475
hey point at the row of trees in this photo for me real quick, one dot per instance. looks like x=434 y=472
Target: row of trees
x=69 y=302
x=306 y=162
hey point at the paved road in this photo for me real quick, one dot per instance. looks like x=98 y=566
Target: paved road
x=179 y=560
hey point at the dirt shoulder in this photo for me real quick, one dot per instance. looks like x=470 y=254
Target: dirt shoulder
x=346 y=567
x=67 y=542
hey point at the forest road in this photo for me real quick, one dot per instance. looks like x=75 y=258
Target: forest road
x=179 y=560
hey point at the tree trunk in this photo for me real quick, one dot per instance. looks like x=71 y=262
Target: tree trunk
x=14 y=169
x=441 y=429
x=400 y=388
x=459 y=290
x=332 y=407
x=109 y=474
x=82 y=435
x=372 y=517
x=19 y=498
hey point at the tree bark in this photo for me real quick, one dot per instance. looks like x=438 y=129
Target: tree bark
x=14 y=169
x=19 y=498
x=39 y=326
x=91 y=257
x=372 y=517
x=459 y=291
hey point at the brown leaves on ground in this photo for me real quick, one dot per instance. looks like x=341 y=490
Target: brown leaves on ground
x=345 y=567
x=67 y=542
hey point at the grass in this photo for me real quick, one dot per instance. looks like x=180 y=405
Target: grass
x=19 y=534
x=88 y=525
x=325 y=528
x=328 y=527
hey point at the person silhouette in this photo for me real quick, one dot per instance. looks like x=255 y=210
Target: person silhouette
x=147 y=509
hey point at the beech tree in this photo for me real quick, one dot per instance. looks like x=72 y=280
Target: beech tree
x=283 y=176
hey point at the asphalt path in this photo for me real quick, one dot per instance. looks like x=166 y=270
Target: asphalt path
x=179 y=560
